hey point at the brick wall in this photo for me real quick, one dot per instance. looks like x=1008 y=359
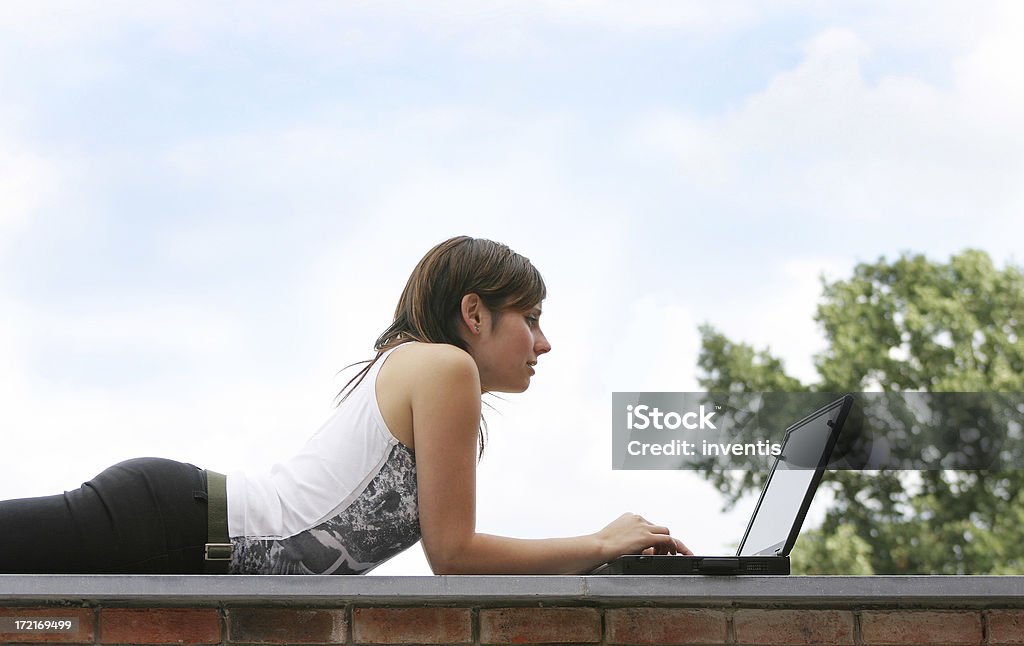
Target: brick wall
x=513 y=610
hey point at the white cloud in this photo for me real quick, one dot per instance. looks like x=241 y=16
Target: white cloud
x=162 y=327
x=65 y=431
x=26 y=179
x=989 y=83
x=822 y=140
x=657 y=349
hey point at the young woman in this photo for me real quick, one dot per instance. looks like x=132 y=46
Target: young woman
x=394 y=464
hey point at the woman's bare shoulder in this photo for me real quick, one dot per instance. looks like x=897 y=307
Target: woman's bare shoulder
x=415 y=374
x=443 y=353
x=431 y=360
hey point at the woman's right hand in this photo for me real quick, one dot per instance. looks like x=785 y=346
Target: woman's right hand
x=632 y=534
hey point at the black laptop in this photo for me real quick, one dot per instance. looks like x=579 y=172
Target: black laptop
x=780 y=510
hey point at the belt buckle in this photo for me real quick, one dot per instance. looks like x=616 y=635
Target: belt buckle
x=218 y=551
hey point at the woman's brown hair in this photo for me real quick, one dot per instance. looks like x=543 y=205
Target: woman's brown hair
x=429 y=309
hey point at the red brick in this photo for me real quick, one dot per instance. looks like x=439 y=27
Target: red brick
x=665 y=626
x=1005 y=627
x=84 y=633
x=412 y=626
x=920 y=627
x=540 y=626
x=159 y=626
x=796 y=627
x=286 y=626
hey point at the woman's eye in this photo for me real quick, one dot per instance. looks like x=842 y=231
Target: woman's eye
x=532 y=321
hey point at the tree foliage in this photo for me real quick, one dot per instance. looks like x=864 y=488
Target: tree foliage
x=907 y=325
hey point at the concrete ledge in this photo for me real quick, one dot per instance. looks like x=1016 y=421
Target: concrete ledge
x=821 y=591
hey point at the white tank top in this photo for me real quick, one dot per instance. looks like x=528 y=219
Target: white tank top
x=343 y=505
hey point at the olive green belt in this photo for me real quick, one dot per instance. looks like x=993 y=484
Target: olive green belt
x=217 y=556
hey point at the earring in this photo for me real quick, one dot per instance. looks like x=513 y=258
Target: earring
x=478 y=329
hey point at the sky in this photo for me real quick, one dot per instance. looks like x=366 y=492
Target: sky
x=209 y=209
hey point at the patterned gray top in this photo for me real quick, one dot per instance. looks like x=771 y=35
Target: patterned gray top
x=377 y=523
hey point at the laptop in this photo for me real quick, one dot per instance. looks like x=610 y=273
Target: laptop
x=780 y=511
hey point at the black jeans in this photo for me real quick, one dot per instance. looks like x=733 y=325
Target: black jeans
x=143 y=516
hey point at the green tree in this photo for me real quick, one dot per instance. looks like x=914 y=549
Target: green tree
x=907 y=325
x=841 y=552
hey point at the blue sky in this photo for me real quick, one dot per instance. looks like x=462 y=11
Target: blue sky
x=206 y=210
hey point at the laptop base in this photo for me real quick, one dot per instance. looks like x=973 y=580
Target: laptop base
x=712 y=565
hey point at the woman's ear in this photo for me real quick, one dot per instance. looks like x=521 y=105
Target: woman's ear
x=473 y=312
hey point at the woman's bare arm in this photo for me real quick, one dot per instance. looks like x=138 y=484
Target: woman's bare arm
x=445 y=402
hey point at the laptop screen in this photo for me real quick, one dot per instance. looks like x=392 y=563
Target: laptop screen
x=791 y=484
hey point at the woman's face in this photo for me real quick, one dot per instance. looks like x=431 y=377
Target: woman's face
x=507 y=347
